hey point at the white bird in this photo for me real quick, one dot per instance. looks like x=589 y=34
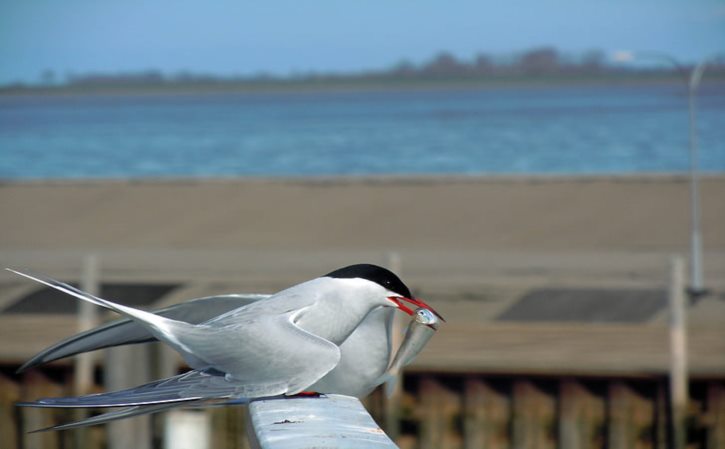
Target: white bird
x=327 y=335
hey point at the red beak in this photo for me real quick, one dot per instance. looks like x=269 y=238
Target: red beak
x=416 y=302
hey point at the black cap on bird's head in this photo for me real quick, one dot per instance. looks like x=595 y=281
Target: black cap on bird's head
x=385 y=278
x=373 y=273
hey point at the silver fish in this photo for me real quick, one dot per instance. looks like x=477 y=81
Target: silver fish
x=419 y=331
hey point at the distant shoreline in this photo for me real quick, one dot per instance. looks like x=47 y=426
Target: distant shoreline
x=343 y=85
x=369 y=179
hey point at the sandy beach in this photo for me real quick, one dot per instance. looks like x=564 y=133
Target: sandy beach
x=453 y=230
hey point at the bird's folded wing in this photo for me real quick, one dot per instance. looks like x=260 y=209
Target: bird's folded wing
x=126 y=331
x=190 y=386
x=259 y=348
x=266 y=352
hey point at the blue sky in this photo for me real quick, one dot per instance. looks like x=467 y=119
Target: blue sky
x=284 y=36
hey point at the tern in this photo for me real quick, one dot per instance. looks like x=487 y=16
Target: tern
x=327 y=335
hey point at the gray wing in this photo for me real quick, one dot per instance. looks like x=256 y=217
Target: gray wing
x=261 y=355
x=266 y=352
x=190 y=386
x=126 y=331
x=259 y=346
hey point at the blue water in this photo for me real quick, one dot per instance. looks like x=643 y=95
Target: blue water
x=562 y=130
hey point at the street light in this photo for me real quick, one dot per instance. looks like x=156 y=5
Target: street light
x=692 y=78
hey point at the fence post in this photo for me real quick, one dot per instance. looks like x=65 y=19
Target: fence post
x=486 y=416
x=87 y=319
x=84 y=362
x=678 y=352
x=9 y=395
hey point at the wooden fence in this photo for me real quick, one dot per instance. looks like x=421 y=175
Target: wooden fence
x=519 y=412
x=440 y=412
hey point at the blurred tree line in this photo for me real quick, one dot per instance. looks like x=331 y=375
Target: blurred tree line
x=538 y=61
x=542 y=62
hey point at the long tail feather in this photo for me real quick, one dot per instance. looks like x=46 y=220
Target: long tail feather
x=140 y=315
x=190 y=386
x=110 y=416
x=126 y=331
x=138 y=410
x=163 y=328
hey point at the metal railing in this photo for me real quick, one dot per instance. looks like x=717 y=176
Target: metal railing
x=326 y=421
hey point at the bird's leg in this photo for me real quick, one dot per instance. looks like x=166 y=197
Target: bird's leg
x=307 y=394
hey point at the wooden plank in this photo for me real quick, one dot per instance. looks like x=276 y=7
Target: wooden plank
x=228 y=429
x=87 y=319
x=432 y=426
x=679 y=393
x=440 y=411
x=619 y=431
x=10 y=293
x=716 y=415
x=374 y=404
x=661 y=418
x=568 y=349
x=570 y=397
x=35 y=386
x=30 y=334
x=631 y=418
x=644 y=420
x=475 y=422
x=127 y=366
x=534 y=417
x=487 y=414
x=187 y=429
x=9 y=394
x=581 y=417
x=409 y=418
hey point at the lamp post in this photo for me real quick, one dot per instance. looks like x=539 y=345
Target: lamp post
x=692 y=78
x=697 y=286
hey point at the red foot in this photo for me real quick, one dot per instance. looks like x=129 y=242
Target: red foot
x=308 y=394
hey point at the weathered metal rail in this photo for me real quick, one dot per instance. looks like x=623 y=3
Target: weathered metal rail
x=331 y=421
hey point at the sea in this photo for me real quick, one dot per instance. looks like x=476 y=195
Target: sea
x=560 y=130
